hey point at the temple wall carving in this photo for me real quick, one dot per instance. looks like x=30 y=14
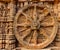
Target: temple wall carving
x=8 y=13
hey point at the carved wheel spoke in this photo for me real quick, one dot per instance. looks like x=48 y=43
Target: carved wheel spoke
x=35 y=35
x=35 y=13
x=42 y=31
x=23 y=24
x=29 y=40
x=23 y=29
x=27 y=33
x=47 y=24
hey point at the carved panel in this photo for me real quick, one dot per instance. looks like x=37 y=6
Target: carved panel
x=50 y=5
x=7 y=38
x=8 y=21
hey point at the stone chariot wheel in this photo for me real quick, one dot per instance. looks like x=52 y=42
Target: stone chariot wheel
x=35 y=26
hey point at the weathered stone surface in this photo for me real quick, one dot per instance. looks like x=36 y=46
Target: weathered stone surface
x=7 y=13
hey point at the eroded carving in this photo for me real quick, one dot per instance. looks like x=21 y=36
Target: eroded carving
x=35 y=26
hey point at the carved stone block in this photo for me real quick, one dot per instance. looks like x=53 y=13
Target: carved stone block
x=29 y=24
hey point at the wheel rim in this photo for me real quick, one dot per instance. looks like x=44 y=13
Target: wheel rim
x=35 y=26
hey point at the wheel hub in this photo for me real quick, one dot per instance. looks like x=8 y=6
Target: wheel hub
x=35 y=25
